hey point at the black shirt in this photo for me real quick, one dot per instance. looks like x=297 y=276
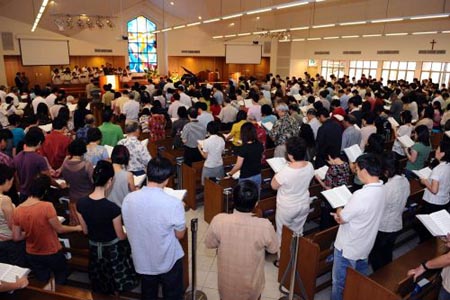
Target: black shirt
x=328 y=142
x=252 y=154
x=99 y=215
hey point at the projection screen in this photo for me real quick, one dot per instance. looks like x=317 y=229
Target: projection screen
x=243 y=54
x=36 y=52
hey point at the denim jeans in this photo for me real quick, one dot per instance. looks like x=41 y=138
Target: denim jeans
x=339 y=273
x=443 y=294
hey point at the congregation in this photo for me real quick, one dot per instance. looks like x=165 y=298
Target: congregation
x=51 y=139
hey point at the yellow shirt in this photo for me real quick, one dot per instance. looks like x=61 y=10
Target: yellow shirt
x=235 y=132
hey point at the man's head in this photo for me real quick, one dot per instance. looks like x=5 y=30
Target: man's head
x=201 y=107
x=349 y=120
x=5 y=135
x=34 y=137
x=159 y=170
x=59 y=124
x=245 y=196
x=323 y=115
x=132 y=128
x=192 y=113
x=311 y=114
x=282 y=109
x=368 y=168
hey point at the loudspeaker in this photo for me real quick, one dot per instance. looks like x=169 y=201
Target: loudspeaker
x=7 y=41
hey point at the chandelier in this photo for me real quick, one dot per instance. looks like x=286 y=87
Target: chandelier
x=279 y=35
x=66 y=21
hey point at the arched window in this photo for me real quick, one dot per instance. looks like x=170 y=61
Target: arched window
x=141 y=44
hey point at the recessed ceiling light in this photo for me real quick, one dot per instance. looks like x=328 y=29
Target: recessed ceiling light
x=172 y=3
x=199 y=17
x=231 y=24
x=257 y=18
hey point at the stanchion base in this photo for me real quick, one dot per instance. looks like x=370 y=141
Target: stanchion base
x=287 y=298
x=199 y=295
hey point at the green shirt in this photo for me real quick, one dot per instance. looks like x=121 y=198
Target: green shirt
x=423 y=152
x=111 y=133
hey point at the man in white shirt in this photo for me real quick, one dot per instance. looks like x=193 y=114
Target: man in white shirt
x=204 y=117
x=131 y=110
x=359 y=221
x=228 y=113
x=184 y=99
x=37 y=100
x=50 y=99
x=14 y=93
x=173 y=107
x=168 y=85
x=313 y=121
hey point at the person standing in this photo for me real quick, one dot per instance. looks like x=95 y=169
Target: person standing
x=191 y=134
x=359 y=221
x=241 y=240
x=155 y=221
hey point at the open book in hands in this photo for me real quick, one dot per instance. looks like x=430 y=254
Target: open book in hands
x=109 y=149
x=337 y=197
x=138 y=180
x=179 y=194
x=9 y=273
x=437 y=223
x=277 y=163
x=424 y=173
x=353 y=152
x=393 y=122
x=321 y=172
x=406 y=141
x=447 y=133
x=268 y=125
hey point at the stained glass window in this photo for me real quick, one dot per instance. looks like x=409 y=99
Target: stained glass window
x=141 y=44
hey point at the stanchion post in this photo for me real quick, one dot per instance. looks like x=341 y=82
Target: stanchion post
x=291 y=295
x=193 y=294
x=227 y=193
x=179 y=162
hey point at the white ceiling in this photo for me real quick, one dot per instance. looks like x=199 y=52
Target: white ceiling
x=185 y=11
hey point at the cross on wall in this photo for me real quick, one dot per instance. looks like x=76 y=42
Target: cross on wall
x=432 y=44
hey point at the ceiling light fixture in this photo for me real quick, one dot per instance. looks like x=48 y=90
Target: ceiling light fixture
x=218 y=37
x=424 y=32
x=258 y=11
x=371 y=35
x=292 y=4
x=396 y=34
x=172 y=3
x=298 y=40
x=277 y=30
x=179 y=27
x=331 y=38
x=199 y=17
x=314 y=39
x=387 y=20
x=352 y=23
x=349 y=36
x=166 y=29
x=39 y=15
x=244 y=34
x=299 y=28
x=211 y=20
x=193 y=24
x=232 y=16
x=430 y=17
x=323 y=26
x=229 y=35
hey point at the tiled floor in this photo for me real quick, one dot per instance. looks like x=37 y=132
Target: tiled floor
x=207 y=266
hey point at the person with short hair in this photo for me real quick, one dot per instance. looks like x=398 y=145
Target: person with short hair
x=139 y=155
x=152 y=215
x=95 y=152
x=111 y=133
x=418 y=154
x=228 y=114
x=110 y=266
x=212 y=149
x=204 y=117
x=89 y=122
x=368 y=128
x=191 y=134
x=178 y=125
x=36 y=222
x=284 y=128
x=351 y=135
x=241 y=241
x=56 y=143
x=293 y=195
x=123 y=182
x=329 y=138
x=358 y=223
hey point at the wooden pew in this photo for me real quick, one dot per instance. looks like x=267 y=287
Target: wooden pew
x=435 y=139
x=214 y=202
x=35 y=293
x=393 y=276
x=312 y=258
x=358 y=286
x=192 y=182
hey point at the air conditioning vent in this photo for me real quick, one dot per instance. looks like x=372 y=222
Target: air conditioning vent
x=322 y=52
x=190 y=51
x=388 y=52
x=351 y=52
x=103 y=50
x=7 y=41
x=432 y=51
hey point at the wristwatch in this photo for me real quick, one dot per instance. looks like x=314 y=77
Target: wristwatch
x=424 y=265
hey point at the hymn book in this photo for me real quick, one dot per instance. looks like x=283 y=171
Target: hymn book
x=447 y=133
x=236 y=175
x=8 y=273
x=393 y=122
x=268 y=125
x=277 y=163
x=248 y=103
x=437 y=223
x=138 y=180
x=109 y=149
x=179 y=194
x=72 y=107
x=406 y=141
x=423 y=173
x=144 y=143
x=321 y=172
x=353 y=152
x=337 y=197
x=46 y=128
x=22 y=105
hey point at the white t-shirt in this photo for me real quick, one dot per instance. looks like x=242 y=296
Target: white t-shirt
x=36 y=102
x=397 y=193
x=131 y=110
x=214 y=146
x=362 y=216
x=50 y=100
x=293 y=193
x=440 y=173
x=185 y=100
